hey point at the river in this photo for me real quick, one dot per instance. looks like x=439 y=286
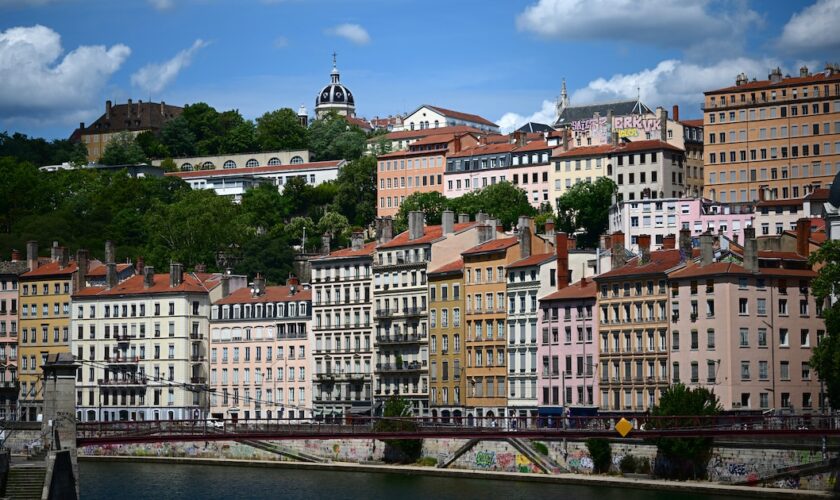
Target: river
x=135 y=480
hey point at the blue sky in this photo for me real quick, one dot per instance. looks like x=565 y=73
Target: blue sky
x=61 y=59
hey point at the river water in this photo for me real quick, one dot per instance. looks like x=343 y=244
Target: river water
x=135 y=480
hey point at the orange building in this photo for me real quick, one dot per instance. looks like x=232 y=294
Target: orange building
x=780 y=135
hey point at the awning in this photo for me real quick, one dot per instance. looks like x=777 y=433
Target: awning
x=545 y=411
x=583 y=411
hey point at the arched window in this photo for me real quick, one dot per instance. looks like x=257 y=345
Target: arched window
x=186 y=167
x=229 y=164
x=437 y=124
x=296 y=160
x=252 y=163
x=274 y=162
x=208 y=165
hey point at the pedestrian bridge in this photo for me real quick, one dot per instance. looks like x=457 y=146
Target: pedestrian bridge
x=641 y=426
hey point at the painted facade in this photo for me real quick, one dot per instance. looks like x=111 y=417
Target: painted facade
x=10 y=272
x=446 y=345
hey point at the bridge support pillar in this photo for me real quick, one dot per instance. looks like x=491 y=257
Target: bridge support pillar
x=59 y=424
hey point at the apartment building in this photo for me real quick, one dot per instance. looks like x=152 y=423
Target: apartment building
x=342 y=285
x=775 y=216
x=260 y=363
x=143 y=344
x=10 y=272
x=447 y=383
x=633 y=326
x=781 y=134
x=744 y=326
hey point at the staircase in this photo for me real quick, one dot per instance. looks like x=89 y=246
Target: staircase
x=283 y=451
x=543 y=462
x=460 y=451
x=26 y=482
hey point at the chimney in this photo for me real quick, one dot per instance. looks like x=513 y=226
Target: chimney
x=643 y=241
x=606 y=242
x=81 y=125
x=325 y=243
x=357 y=240
x=463 y=218
x=572 y=243
x=448 y=222
x=110 y=253
x=803 y=234
x=613 y=137
x=32 y=255
x=485 y=233
x=685 y=245
x=201 y=268
x=63 y=257
x=130 y=109
x=669 y=242
x=163 y=108
x=803 y=71
x=775 y=76
x=618 y=253
x=415 y=225
x=259 y=286
x=456 y=144
x=386 y=230
x=707 y=249
x=176 y=274
x=292 y=280
x=480 y=217
x=107 y=110
x=54 y=252
x=225 y=284
x=750 y=250
x=675 y=112
x=15 y=255
x=561 y=246
x=148 y=277
x=111 y=275
x=663 y=123
x=524 y=240
x=141 y=264
x=549 y=227
x=80 y=278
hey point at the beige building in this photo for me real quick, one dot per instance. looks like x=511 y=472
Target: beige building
x=240 y=160
x=446 y=345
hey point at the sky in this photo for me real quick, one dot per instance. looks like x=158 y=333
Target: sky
x=502 y=59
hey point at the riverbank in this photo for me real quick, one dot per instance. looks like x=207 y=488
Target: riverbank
x=696 y=487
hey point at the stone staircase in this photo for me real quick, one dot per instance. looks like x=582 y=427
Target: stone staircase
x=283 y=451
x=26 y=482
x=544 y=462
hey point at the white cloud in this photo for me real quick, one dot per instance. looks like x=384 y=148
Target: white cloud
x=667 y=23
x=162 y=4
x=155 y=77
x=352 y=32
x=813 y=28
x=511 y=121
x=37 y=83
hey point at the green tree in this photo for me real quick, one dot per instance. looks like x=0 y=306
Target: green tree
x=297 y=196
x=269 y=254
x=601 y=454
x=502 y=201
x=431 y=203
x=338 y=227
x=333 y=138
x=263 y=207
x=39 y=152
x=177 y=137
x=21 y=191
x=397 y=418
x=584 y=209
x=826 y=286
x=297 y=228
x=168 y=165
x=240 y=137
x=151 y=145
x=684 y=458
x=280 y=129
x=355 y=195
x=122 y=150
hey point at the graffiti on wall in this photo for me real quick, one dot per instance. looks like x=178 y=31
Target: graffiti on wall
x=626 y=126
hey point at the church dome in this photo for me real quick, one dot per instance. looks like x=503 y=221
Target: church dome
x=335 y=96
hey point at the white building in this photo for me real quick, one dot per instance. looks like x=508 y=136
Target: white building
x=431 y=117
x=240 y=160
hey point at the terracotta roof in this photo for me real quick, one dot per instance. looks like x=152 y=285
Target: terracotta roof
x=366 y=250
x=101 y=270
x=718 y=268
x=462 y=116
x=771 y=254
x=452 y=267
x=534 y=146
x=792 y=202
x=430 y=234
x=51 y=269
x=818 y=194
x=406 y=153
x=362 y=124
x=785 y=82
x=485 y=149
x=660 y=261
x=582 y=151
x=192 y=283
x=315 y=165
x=644 y=146
x=142 y=116
x=272 y=294
x=583 y=289
x=492 y=246
x=533 y=260
x=693 y=123
x=416 y=134
x=497 y=139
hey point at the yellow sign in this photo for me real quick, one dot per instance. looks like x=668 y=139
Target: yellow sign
x=623 y=427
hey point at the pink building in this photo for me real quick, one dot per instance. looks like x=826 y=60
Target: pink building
x=258 y=352
x=567 y=350
x=9 y=272
x=701 y=215
x=745 y=326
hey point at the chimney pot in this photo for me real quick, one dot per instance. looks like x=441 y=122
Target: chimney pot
x=111 y=275
x=148 y=276
x=82 y=269
x=669 y=242
x=176 y=274
x=415 y=225
x=561 y=246
x=750 y=250
x=618 y=252
x=448 y=222
x=549 y=227
x=803 y=234
x=643 y=241
x=707 y=250
x=463 y=218
x=32 y=255
x=325 y=243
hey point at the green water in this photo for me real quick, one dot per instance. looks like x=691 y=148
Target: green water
x=127 y=481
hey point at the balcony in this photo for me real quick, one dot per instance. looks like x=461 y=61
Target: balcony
x=400 y=339
x=123 y=337
x=414 y=311
x=198 y=380
x=197 y=358
x=127 y=382
x=385 y=313
x=122 y=360
x=196 y=336
x=406 y=367
x=325 y=377
x=291 y=335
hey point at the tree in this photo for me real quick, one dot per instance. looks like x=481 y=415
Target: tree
x=239 y=137
x=297 y=228
x=601 y=454
x=397 y=418
x=151 y=145
x=826 y=356
x=431 y=203
x=122 y=150
x=168 y=165
x=269 y=254
x=39 y=152
x=177 y=137
x=355 y=195
x=333 y=138
x=502 y=201
x=263 y=207
x=584 y=210
x=335 y=224
x=684 y=458
x=296 y=196
x=280 y=129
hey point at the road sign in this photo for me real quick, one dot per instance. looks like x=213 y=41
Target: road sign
x=623 y=427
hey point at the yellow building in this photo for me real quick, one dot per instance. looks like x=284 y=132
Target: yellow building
x=447 y=381
x=44 y=322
